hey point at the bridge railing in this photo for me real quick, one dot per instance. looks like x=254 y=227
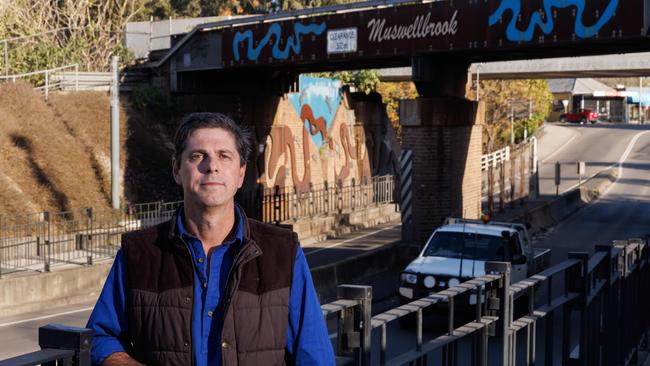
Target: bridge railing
x=583 y=311
x=47 y=83
x=595 y=309
x=280 y=204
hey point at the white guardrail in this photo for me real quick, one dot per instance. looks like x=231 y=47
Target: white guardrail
x=497 y=157
x=49 y=84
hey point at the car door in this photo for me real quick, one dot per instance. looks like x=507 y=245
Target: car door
x=519 y=271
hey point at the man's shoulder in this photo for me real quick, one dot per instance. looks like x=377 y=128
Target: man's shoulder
x=149 y=235
x=271 y=233
x=256 y=225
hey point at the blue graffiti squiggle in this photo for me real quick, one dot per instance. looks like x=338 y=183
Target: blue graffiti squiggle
x=292 y=44
x=581 y=31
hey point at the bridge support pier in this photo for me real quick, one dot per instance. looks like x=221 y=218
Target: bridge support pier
x=444 y=131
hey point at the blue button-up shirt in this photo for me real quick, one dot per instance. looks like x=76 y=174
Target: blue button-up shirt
x=307 y=338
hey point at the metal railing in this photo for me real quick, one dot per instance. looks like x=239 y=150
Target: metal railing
x=510 y=174
x=38 y=241
x=281 y=204
x=47 y=74
x=583 y=311
x=600 y=304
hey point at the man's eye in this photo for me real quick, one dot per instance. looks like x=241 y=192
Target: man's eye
x=196 y=157
x=225 y=156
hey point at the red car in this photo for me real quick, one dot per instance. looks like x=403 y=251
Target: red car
x=583 y=116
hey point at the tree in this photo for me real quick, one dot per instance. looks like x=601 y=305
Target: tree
x=501 y=97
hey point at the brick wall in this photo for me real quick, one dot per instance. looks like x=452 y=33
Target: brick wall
x=445 y=136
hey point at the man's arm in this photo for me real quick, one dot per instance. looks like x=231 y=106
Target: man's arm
x=108 y=319
x=307 y=340
x=120 y=359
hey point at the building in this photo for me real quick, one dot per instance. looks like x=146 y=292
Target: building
x=571 y=95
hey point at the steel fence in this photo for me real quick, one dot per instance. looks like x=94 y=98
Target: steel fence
x=81 y=236
x=281 y=204
x=41 y=240
x=583 y=311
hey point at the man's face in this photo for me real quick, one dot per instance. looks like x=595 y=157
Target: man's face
x=209 y=168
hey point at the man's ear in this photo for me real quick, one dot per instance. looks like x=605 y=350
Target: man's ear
x=175 y=168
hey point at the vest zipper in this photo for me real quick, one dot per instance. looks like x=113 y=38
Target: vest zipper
x=191 y=341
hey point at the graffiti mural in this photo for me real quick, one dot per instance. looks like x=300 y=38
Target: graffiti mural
x=313 y=139
x=545 y=20
x=292 y=43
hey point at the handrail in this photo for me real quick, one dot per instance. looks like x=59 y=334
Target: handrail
x=14 y=76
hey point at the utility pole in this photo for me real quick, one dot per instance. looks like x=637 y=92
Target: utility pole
x=641 y=100
x=512 y=122
x=115 y=134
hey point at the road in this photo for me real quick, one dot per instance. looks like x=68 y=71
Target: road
x=624 y=210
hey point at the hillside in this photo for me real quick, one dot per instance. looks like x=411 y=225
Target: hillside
x=55 y=155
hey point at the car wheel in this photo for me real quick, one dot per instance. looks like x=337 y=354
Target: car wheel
x=583 y=121
x=562 y=119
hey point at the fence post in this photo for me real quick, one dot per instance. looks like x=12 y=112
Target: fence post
x=504 y=310
x=339 y=192
x=581 y=285
x=89 y=225
x=512 y=181
x=59 y=336
x=502 y=185
x=490 y=198
x=356 y=327
x=47 y=84
x=76 y=77
x=276 y=205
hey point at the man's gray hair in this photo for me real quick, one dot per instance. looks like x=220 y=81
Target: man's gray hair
x=194 y=121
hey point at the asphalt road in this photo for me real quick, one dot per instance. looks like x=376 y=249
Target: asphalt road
x=624 y=210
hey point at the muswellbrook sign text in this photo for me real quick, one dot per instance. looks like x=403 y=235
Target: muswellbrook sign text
x=421 y=27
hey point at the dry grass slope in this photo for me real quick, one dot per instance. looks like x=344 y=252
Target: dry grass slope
x=54 y=155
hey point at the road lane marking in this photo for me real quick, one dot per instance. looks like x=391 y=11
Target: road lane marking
x=575 y=135
x=620 y=162
x=351 y=239
x=45 y=317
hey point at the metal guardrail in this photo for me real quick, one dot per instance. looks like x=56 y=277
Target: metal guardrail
x=41 y=240
x=38 y=241
x=281 y=204
x=56 y=85
x=600 y=302
x=495 y=158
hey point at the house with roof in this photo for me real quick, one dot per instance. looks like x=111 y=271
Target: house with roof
x=572 y=95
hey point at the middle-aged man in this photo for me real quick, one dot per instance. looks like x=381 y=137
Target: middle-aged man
x=210 y=286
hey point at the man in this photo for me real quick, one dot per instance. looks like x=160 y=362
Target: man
x=210 y=286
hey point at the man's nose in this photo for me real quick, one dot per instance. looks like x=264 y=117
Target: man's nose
x=211 y=164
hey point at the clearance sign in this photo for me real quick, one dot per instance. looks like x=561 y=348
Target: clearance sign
x=440 y=26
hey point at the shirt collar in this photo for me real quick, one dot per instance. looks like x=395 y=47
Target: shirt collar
x=236 y=234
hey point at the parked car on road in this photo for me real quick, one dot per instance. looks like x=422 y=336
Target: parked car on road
x=582 y=116
x=457 y=251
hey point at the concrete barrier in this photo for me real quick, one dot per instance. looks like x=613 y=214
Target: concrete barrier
x=553 y=212
x=327 y=277
x=35 y=292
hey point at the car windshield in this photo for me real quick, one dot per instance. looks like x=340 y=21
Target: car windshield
x=465 y=245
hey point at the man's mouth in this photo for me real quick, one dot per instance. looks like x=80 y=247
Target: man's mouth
x=212 y=184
